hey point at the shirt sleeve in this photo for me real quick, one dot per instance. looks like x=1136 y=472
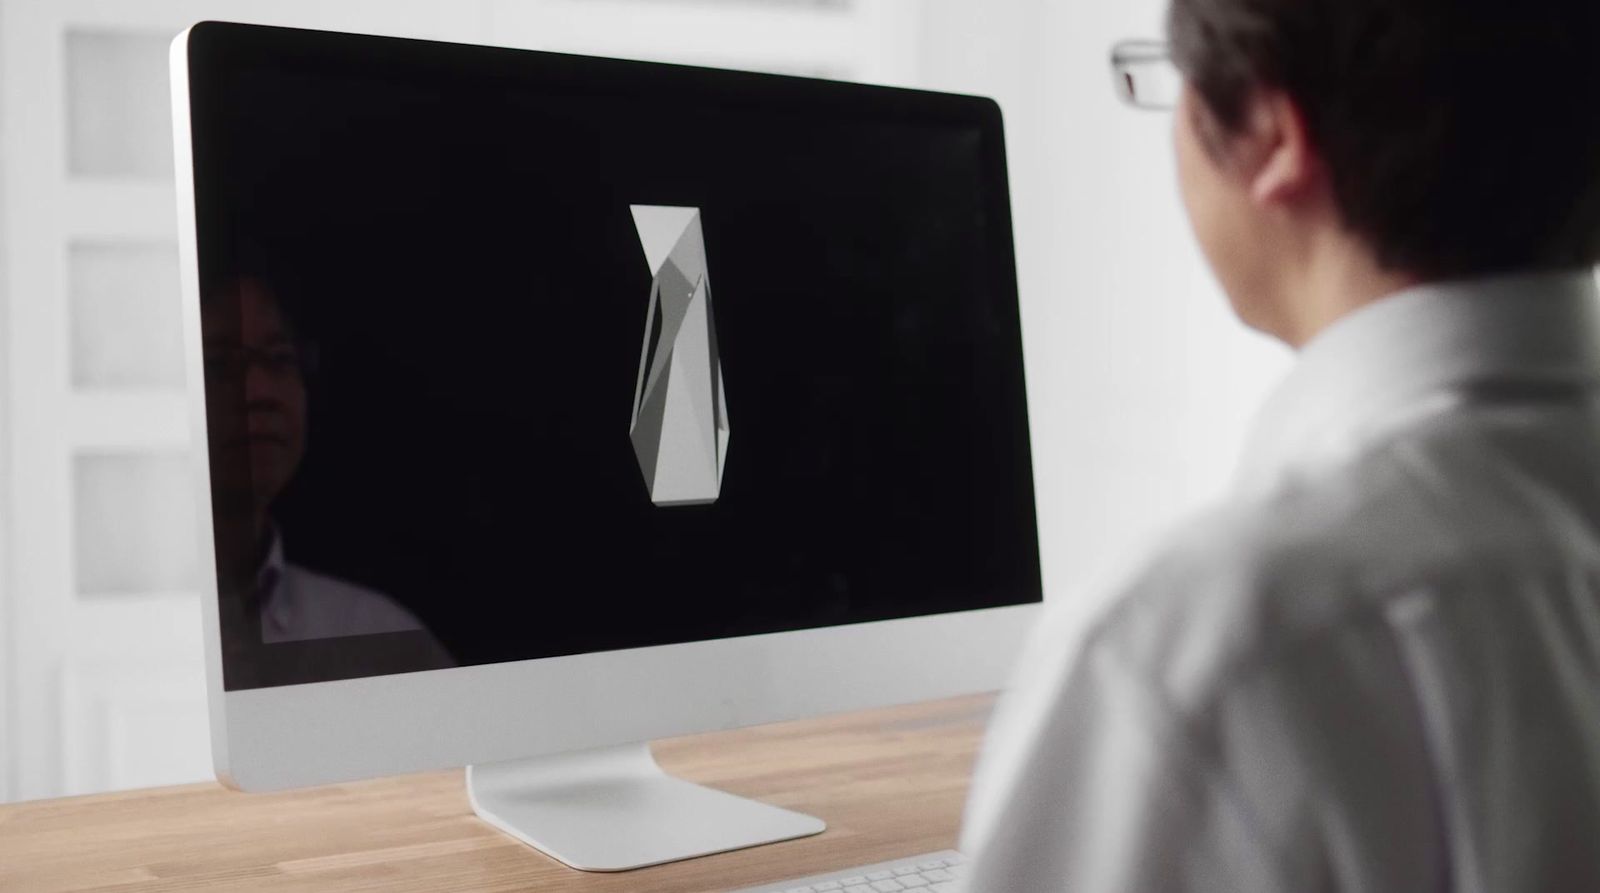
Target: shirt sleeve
x=1090 y=783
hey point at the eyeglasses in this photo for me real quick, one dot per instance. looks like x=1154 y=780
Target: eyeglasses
x=1145 y=75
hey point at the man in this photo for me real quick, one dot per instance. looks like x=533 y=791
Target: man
x=1377 y=667
x=257 y=430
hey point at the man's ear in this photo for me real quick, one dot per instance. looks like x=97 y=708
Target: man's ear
x=1282 y=162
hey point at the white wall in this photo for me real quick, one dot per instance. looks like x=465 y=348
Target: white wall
x=1141 y=381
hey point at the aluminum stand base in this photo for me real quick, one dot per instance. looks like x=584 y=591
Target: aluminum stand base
x=614 y=809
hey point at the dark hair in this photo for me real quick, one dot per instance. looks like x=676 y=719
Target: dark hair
x=1462 y=136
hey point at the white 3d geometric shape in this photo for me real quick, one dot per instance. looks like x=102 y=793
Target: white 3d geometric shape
x=680 y=413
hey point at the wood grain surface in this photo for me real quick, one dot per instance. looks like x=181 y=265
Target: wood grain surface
x=889 y=783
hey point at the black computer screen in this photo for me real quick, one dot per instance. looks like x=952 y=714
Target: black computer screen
x=440 y=354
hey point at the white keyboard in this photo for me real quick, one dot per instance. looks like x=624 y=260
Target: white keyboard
x=928 y=873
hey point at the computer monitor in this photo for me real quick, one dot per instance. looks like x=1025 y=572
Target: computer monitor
x=555 y=404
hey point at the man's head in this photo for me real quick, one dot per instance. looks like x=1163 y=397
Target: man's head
x=1384 y=142
x=255 y=388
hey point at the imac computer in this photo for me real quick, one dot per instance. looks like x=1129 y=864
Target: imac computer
x=554 y=404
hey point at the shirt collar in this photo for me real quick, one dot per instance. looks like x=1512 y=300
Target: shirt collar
x=1412 y=352
x=270 y=583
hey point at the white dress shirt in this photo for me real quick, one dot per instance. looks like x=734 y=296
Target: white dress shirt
x=1376 y=668
x=298 y=603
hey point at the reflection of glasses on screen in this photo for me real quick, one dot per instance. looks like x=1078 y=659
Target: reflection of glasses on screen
x=234 y=363
x=1145 y=75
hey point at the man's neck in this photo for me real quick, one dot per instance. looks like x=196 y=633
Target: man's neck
x=265 y=533
x=1340 y=278
x=239 y=569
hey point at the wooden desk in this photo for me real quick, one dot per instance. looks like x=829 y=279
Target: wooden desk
x=889 y=783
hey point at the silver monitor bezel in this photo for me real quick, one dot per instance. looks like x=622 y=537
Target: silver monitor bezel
x=296 y=735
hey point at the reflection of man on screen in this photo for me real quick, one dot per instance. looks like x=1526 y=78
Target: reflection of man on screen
x=252 y=357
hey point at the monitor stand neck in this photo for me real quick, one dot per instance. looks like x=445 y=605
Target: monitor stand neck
x=613 y=809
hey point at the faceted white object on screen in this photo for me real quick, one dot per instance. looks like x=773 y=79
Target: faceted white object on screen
x=680 y=415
